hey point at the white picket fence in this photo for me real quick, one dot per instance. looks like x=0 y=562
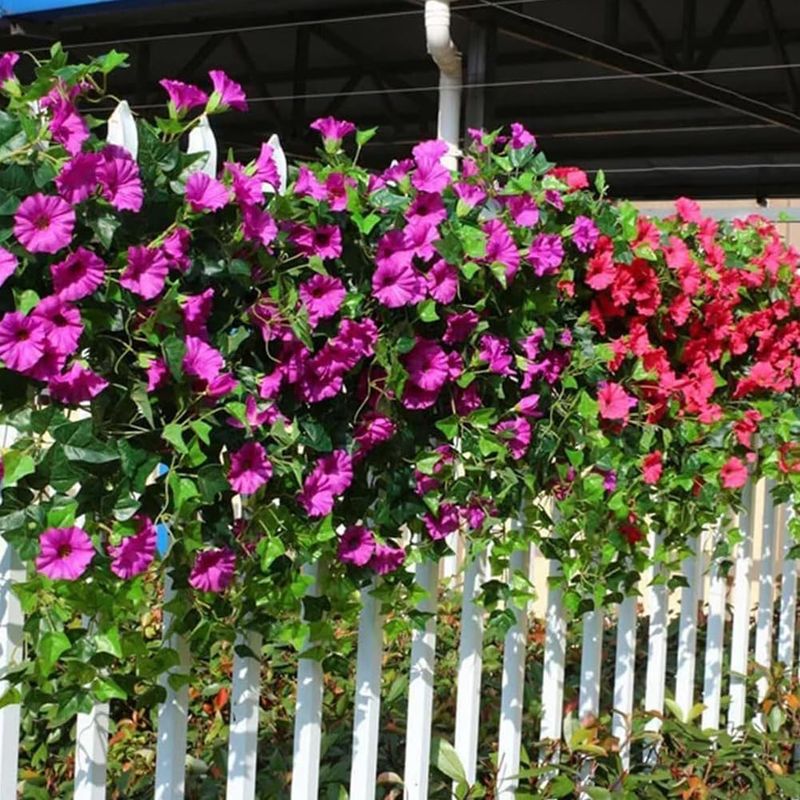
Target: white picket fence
x=745 y=604
x=737 y=601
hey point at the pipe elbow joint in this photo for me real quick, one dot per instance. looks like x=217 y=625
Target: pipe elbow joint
x=437 y=35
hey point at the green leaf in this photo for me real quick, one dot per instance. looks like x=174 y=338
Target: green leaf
x=173 y=433
x=142 y=401
x=106 y=689
x=90 y=455
x=587 y=406
x=174 y=351
x=16 y=465
x=446 y=760
x=474 y=242
x=427 y=310
x=26 y=301
x=202 y=429
x=449 y=427
x=109 y=642
x=362 y=137
x=51 y=646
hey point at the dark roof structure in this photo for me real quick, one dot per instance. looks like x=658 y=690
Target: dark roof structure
x=668 y=97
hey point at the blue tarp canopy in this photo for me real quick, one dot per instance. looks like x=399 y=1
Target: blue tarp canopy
x=14 y=7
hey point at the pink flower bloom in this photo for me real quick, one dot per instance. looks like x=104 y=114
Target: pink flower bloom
x=467 y=400
x=78 y=275
x=212 y=570
x=231 y=94
x=247 y=189
x=374 y=429
x=7 y=63
x=427 y=365
x=469 y=193
x=443 y=282
x=528 y=406
x=495 y=352
x=358 y=337
x=516 y=433
x=184 y=96
x=521 y=137
x=337 y=469
x=157 y=374
x=554 y=198
x=67 y=127
x=146 y=272
x=250 y=469
x=585 y=234
x=442 y=524
x=176 y=249
x=270 y=385
x=733 y=474
x=78 y=177
x=427 y=207
x=266 y=170
x=8 y=265
x=688 y=210
x=196 y=310
x=316 y=497
x=614 y=401
x=307 y=185
x=336 y=186
x=204 y=193
x=652 y=467
x=44 y=223
x=386 y=559
x=49 y=365
x=546 y=254
x=332 y=130
x=523 y=210
x=500 y=247
x=64 y=553
x=430 y=174
x=256 y=417
x=356 y=546
x=459 y=327
x=77 y=385
x=22 y=340
x=322 y=296
x=395 y=284
x=119 y=178
x=201 y=360
x=258 y=226
x=61 y=322
x=324 y=241
x=134 y=554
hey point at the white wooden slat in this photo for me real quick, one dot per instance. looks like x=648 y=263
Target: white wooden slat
x=122 y=129
x=687 y=631
x=173 y=714
x=591 y=655
x=307 y=717
x=766 y=594
x=555 y=648
x=788 y=616
x=91 y=751
x=513 y=686
x=279 y=157
x=420 y=689
x=243 y=737
x=11 y=621
x=656 y=650
x=740 y=631
x=202 y=140
x=470 y=665
x=363 y=771
x=624 y=677
x=715 y=638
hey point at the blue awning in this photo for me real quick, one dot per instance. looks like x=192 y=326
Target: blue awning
x=11 y=8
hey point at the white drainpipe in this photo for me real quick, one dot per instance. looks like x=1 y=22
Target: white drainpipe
x=448 y=59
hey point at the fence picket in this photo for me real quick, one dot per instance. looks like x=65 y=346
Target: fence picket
x=470 y=665
x=202 y=140
x=624 y=677
x=420 y=689
x=740 y=631
x=91 y=751
x=687 y=629
x=788 y=616
x=513 y=685
x=307 y=716
x=555 y=648
x=766 y=593
x=715 y=638
x=172 y=717
x=122 y=130
x=243 y=737
x=11 y=621
x=368 y=699
x=656 y=650
x=591 y=655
